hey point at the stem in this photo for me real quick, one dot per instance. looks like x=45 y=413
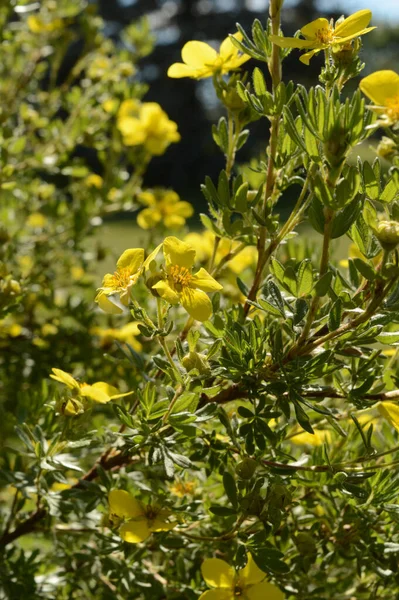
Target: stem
x=276 y=73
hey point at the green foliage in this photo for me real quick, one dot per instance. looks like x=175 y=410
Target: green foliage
x=265 y=422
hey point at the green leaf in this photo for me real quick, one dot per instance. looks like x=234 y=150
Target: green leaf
x=323 y=284
x=391 y=189
x=370 y=182
x=305 y=277
x=364 y=269
x=259 y=82
x=270 y=560
x=230 y=488
x=334 y=319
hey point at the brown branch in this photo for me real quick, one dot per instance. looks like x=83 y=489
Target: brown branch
x=111 y=460
x=235 y=392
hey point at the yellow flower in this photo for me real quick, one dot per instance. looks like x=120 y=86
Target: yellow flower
x=382 y=87
x=94 y=180
x=100 y=392
x=180 y=285
x=37 y=25
x=203 y=244
x=163 y=206
x=321 y=34
x=36 y=220
x=126 y=334
x=200 y=60
x=390 y=412
x=320 y=437
x=182 y=488
x=247 y=584
x=146 y=125
x=129 y=267
x=139 y=520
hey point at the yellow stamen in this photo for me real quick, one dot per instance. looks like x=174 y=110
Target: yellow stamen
x=180 y=276
x=121 y=278
x=325 y=36
x=392 y=105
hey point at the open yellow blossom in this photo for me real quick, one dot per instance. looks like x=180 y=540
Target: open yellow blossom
x=163 y=206
x=200 y=60
x=382 y=87
x=99 y=392
x=129 y=268
x=181 y=489
x=36 y=220
x=320 y=34
x=126 y=334
x=138 y=520
x=247 y=584
x=180 y=285
x=146 y=125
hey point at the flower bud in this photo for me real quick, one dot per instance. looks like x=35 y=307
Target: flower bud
x=152 y=280
x=246 y=468
x=195 y=360
x=280 y=497
x=386 y=148
x=232 y=100
x=71 y=407
x=387 y=233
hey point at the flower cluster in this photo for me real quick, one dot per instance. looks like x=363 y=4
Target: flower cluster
x=164 y=207
x=174 y=283
x=147 y=125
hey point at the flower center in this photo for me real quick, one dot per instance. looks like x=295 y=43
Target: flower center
x=180 y=276
x=324 y=35
x=122 y=278
x=392 y=105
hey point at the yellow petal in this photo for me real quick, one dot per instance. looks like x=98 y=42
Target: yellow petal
x=131 y=259
x=220 y=594
x=305 y=58
x=348 y=38
x=135 y=531
x=196 y=303
x=205 y=282
x=198 y=54
x=148 y=198
x=179 y=70
x=251 y=573
x=319 y=438
x=380 y=86
x=353 y=24
x=166 y=292
x=98 y=395
x=311 y=30
x=217 y=573
x=291 y=42
x=106 y=305
x=227 y=48
x=111 y=391
x=124 y=505
x=174 y=221
x=160 y=525
x=152 y=256
x=148 y=218
x=264 y=590
x=390 y=412
x=65 y=378
x=178 y=253
x=183 y=209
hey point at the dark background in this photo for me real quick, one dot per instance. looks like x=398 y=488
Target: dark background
x=192 y=104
